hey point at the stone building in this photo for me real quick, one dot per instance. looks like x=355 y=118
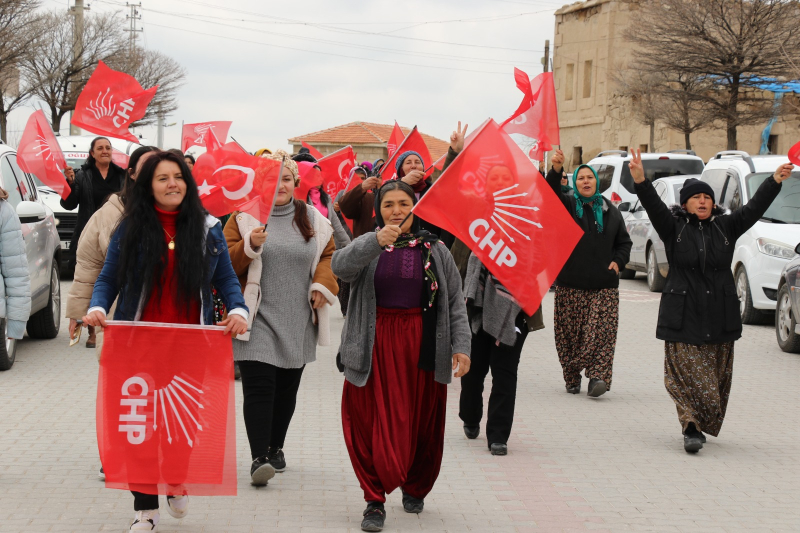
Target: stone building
x=589 y=44
x=367 y=139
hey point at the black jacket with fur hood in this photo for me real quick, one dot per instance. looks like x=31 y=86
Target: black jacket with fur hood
x=699 y=304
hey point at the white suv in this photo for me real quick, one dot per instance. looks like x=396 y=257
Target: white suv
x=763 y=251
x=614 y=176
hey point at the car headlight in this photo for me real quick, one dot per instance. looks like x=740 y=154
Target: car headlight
x=775 y=248
x=57 y=221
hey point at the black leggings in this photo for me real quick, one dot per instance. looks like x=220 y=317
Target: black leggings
x=270 y=396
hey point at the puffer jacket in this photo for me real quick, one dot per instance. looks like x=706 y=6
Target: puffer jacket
x=91 y=255
x=699 y=304
x=15 y=284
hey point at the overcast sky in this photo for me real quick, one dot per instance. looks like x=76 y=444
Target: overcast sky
x=282 y=69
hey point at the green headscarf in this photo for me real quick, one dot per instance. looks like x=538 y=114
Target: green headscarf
x=596 y=200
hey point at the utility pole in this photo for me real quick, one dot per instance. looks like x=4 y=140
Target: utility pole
x=77 y=50
x=546 y=58
x=133 y=18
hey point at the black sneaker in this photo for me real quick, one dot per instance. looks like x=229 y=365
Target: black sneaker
x=498 y=448
x=472 y=432
x=412 y=504
x=574 y=390
x=237 y=374
x=374 y=517
x=261 y=471
x=693 y=439
x=597 y=387
x=277 y=459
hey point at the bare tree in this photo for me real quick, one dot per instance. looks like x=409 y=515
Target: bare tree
x=641 y=88
x=50 y=68
x=733 y=45
x=17 y=31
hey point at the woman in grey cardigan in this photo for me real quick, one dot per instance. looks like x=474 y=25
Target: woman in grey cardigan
x=15 y=282
x=406 y=329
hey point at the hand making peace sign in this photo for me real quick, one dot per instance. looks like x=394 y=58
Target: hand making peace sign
x=457 y=138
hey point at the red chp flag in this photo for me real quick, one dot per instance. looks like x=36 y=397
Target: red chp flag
x=794 y=154
x=414 y=142
x=336 y=169
x=39 y=154
x=313 y=151
x=394 y=139
x=229 y=180
x=110 y=102
x=201 y=133
x=495 y=201
x=120 y=158
x=165 y=409
x=537 y=115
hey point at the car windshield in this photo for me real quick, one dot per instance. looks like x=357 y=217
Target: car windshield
x=661 y=168
x=786 y=207
x=75 y=163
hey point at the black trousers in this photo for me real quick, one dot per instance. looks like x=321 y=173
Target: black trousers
x=270 y=397
x=503 y=362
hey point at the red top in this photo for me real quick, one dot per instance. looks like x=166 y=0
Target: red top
x=165 y=309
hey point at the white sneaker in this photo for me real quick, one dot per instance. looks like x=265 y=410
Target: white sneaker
x=178 y=506
x=101 y=475
x=145 y=521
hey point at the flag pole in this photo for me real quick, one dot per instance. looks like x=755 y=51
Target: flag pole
x=277 y=187
x=240 y=145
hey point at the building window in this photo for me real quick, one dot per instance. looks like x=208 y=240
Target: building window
x=570 y=82
x=587 y=79
x=772 y=144
x=643 y=148
x=577 y=156
x=623 y=148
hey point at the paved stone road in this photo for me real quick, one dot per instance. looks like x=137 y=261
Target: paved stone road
x=575 y=464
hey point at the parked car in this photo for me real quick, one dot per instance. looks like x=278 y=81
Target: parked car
x=43 y=249
x=648 y=254
x=763 y=251
x=614 y=175
x=786 y=327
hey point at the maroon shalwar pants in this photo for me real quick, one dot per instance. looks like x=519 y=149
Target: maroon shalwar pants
x=394 y=425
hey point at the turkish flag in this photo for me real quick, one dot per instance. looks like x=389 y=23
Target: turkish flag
x=439 y=164
x=201 y=133
x=495 y=201
x=336 y=169
x=310 y=177
x=414 y=142
x=39 y=154
x=537 y=115
x=316 y=153
x=794 y=154
x=110 y=102
x=229 y=180
x=165 y=409
x=394 y=139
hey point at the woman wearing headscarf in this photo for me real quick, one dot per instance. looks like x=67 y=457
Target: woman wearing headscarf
x=285 y=272
x=587 y=288
x=97 y=178
x=406 y=330
x=162 y=260
x=699 y=317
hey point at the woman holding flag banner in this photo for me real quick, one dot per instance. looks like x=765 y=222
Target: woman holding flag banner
x=161 y=262
x=406 y=330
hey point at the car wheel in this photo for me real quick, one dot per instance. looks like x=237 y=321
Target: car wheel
x=8 y=349
x=749 y=313
x=627 y=273
x=788 y=340
x=44 y=324
x=655 y=281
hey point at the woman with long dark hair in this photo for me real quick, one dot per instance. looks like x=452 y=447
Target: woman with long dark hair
x=406 y=331
x=160 y=264
x=288 y=284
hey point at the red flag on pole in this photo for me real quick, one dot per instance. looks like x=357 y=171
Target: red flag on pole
x=394 y=139
x=39 y=154
x=537 y=115
x=110 y=102
x=199 y=134
x=119 y=158
x=414 y=142
x=230 y=180
x=794 y=154
x=494 y=200
x=310 y=177
x=316 y=153
x=336 y=169
x=165 y=409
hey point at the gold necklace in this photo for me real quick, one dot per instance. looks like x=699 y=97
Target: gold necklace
x=171 y=244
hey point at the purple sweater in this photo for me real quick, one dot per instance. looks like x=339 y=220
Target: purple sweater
x=398 y=279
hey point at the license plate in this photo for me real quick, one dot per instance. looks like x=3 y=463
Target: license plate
x=65 y=245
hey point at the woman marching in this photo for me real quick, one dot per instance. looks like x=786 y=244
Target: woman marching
x=15 y=280
x=587 y=288
x=161 y=262
x=699 y=316
x=288 y=285
x=406 y=330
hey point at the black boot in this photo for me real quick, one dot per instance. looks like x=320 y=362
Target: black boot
x=693 y=439
x=597 y=387
x=472 y=432
x=412 y=504
x=374 y=517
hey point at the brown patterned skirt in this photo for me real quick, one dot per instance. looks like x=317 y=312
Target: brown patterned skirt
x=698 y=378
x=586 y=323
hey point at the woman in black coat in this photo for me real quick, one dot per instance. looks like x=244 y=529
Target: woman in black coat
x=699 y=316
x=587 y=288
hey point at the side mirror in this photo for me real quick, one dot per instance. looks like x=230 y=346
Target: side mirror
x=624 y=206
x=30 y=212
x=797 y=249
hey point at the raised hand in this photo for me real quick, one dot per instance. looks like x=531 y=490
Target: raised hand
x=457 y=138
x=783 y=172
x=388 y=235
x=413 y=177
x=371 y=183
x=558 y=160
x=635 y=166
